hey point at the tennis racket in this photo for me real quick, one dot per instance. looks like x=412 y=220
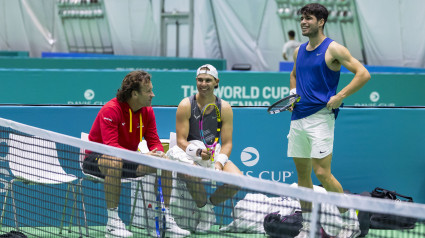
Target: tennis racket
x=284 y=104
x=210 y=128
x=160 y=214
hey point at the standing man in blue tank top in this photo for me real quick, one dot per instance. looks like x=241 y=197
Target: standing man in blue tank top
x=315 y=78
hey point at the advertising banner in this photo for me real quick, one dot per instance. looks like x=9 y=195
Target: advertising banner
x=95 y=87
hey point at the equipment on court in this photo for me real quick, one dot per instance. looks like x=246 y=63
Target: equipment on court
x=13 y=234
x=278 y=226
x=388 y=221
x=40 y=206
x=284 y=104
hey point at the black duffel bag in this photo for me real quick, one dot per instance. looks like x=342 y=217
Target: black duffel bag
x=278 y=226
x=389 y=221
x=14 y=234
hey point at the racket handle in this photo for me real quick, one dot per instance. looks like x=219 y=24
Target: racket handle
x=213 y=182
x=212 y=155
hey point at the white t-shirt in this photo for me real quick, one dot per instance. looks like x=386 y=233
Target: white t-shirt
x=289 y=48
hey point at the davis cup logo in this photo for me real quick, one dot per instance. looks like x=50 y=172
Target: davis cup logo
x=250 y=156
x=374 y=96
x=89 y=94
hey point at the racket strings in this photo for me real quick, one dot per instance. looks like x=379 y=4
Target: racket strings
x=285 y=103
x=210 y=125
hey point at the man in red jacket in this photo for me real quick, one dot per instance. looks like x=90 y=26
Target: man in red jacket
x=122 y=123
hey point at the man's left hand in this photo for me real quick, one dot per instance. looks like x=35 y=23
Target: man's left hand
x=157 y=153
x=334 y=102
x=218 y=166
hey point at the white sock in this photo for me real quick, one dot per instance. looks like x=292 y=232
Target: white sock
x=113 y=213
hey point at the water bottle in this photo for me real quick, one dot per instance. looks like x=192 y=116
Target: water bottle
x=151 y=212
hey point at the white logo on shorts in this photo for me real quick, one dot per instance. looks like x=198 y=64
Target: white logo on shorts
x=250 y=156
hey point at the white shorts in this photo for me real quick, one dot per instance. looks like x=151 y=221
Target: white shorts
x=312 y=136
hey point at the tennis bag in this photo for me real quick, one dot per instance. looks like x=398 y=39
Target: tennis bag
x=278 y=226
x=14 y=234
x=388 y=221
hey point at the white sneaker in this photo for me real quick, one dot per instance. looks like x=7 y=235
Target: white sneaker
x=304 y=231
x=350 y=227
x=350 y=230
x=116 y=228
x=172 y=230
x=207 y=218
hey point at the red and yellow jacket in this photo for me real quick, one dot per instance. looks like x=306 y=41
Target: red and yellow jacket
x=117 y=125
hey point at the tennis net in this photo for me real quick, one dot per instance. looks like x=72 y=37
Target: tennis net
x=46 y=194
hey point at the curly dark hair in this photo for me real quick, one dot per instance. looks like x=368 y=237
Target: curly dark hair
x=315 y=9
x=132 y=81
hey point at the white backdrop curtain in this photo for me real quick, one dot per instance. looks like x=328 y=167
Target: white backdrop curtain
x=393 y=31
x=32 y=26
x=249 y=33
x=206 y=42
x=244 y=31
x=133 y=28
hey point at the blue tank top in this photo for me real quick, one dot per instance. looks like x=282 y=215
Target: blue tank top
x=315 y=82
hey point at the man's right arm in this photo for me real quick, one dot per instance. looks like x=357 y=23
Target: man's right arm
x=293 y=77
x=182 y=130
x=182 y=123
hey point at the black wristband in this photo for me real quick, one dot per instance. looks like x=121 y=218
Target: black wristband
x=198 y=152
